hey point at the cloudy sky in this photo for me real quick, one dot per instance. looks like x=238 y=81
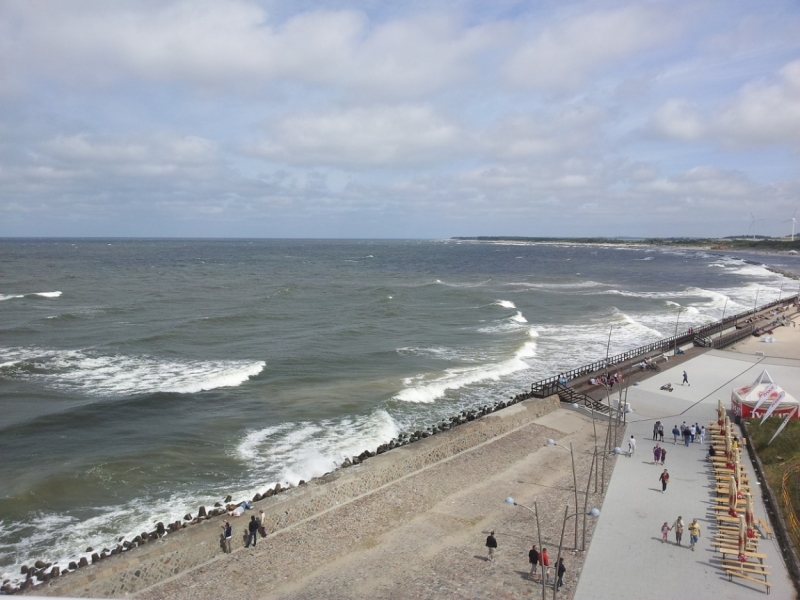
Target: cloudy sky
x=370 y=119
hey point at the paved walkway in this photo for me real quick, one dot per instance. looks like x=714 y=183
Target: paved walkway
x=626 y=558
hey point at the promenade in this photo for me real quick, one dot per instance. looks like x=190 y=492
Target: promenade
x=627 y=558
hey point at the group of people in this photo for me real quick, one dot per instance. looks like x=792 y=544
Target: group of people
x=678 y=526
x=689 y=433
x=257 y=525
x=659 y=455
x=606 y=379
x=539 y=561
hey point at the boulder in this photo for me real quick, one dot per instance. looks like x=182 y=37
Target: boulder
x=24 y=569
x=217 y=504
x=356 y=460
x=160 y=529
x=95 y=557
x=302 y=482
x=187 y=517
x=278 y=488
x=39 y=564
x=55 y=571
x=347 y=463
x=114 y=552
x=137 y=540
x=257 y=497
x=202 y=512
x=228 y=498
x=72 y=565
x=83 y=562
x=269 y=493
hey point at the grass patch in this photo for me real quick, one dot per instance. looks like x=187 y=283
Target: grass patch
x=777 y=458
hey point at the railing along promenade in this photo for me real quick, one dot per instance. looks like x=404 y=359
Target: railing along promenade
x=550 y=385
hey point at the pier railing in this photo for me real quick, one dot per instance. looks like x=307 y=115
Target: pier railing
x=550 y=385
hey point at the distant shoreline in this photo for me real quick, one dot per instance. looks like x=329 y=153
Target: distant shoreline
x=765 y=246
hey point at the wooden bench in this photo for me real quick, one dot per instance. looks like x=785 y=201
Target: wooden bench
x=765 y=526
x=719 y=541
x=735 y=551
x=734 y=568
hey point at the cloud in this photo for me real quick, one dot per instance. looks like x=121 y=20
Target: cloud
x=679 y=119
x=764 y=113
x=761 y=113
x=564 y=55
x=235 y=43
x=364 y=136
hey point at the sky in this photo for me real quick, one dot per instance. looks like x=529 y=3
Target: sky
x=414 y=119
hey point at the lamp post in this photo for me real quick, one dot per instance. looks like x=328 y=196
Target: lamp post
x=675 y=348
x=595 y=512
x=756 y=301
x=722 y=321
x=535 y=511
x=780 y=293
x=608 y=344
x=552 y=442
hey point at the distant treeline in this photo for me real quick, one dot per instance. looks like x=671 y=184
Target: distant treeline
x=728 y=243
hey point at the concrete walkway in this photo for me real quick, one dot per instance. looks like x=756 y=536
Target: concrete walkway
x=627 y=558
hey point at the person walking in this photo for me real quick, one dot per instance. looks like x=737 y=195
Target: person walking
x=663 y=456
x=560 y=569
x=227 y=534
x=631 y=446
x=660 y=431
x=491 y=544
x=678 y=527
x=664 y=479
x=687 y=436
x=702 y=434
x=533 y=558
x=692 y=431
x=685 y=379
x=544 y=560
x=252 y=528
x=675 y=433
x=655 y=430
x=665 y=529
x=656 y=454
x=694 y=533
x=262 y=523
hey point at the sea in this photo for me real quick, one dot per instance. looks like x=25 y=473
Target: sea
x=140 y=379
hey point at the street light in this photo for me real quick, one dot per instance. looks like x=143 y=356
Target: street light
x=595 y=512
x=675 y=349
x=535 y=511
x=552 y=442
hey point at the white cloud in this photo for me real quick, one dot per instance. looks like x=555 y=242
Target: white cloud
x=679 y=119
x=370 y=136
x=764 y=113
x=564 y=55
x=235 y=43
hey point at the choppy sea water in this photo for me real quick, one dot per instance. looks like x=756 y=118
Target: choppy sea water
x=141 y=378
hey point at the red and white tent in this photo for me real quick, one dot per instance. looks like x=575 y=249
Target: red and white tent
x=761 y=397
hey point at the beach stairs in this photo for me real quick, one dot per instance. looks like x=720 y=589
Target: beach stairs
x=572 y=396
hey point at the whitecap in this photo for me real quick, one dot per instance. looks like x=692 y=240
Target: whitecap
x=505 y=303
x=47 y=294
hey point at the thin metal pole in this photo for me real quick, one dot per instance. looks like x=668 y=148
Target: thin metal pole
x=608 y=345
x=675 y=348
x=560 y=544
x=575 y=483
x=756 y=302
x=721 y=323
x=586 y=502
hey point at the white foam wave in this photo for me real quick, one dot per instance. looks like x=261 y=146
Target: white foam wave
x=720 y=265
x=645 y=258
x=306 y=450
x=505 y=303
x=47 y=294
x=518 y=318
x=95 y=374
x=427 y=388
x=10 y=296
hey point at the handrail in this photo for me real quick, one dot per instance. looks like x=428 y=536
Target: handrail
x=548 y=386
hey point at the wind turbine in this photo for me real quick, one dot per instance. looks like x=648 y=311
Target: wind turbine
x=793 y=220
x=753 y=222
